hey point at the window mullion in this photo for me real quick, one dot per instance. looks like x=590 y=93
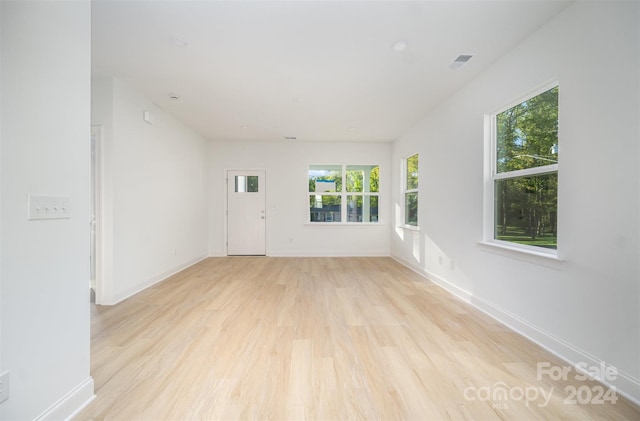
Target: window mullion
x=527 y=172
x=343 y=198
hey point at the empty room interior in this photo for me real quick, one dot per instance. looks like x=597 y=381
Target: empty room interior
x=319 y=210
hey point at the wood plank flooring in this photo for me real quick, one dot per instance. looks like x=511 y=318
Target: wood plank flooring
x=252 y=338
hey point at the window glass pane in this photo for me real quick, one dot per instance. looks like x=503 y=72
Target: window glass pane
x=246 y=183
x=325 y=208
x=373 y=209
x=374 y=179
x=252 y=183
x=363 y=178
x=527 y=134
x=325 y=178
x=355 y=178
x=362 y=208
x=354 y=208
x=241 y=184
x=412 y=172
x=411 y=208
x=526 y=210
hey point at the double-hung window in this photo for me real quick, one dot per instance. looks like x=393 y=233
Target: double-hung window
x=524 y=140
x=410 y=190
x=344 y=193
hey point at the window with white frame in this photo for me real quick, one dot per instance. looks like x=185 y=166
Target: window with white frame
x=524 y=141
x=344 y=193
x=410 y=190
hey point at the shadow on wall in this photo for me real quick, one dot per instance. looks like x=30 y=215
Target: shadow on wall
x=421 y=253
x=411 y=234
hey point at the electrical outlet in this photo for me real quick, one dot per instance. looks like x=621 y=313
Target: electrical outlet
x=48 y=207
x=4 y=386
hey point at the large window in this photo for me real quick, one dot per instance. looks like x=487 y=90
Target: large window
x=411 y=190
x=344 y=193
x=525 y=172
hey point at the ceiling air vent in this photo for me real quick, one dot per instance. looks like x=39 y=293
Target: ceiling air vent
x=460 y=61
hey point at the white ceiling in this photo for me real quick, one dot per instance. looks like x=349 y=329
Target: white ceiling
x=316 y=70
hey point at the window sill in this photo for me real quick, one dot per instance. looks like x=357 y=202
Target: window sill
x=409 y=227
x=541 y=258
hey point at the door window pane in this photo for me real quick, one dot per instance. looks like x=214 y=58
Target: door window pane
x=246 y=183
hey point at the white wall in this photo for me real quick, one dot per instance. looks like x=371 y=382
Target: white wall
x=45 y=150
x=1 y=366
x=154 y=191
x=587 y=309
x=286 y=165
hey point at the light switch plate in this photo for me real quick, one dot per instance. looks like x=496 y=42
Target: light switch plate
x=48 y=207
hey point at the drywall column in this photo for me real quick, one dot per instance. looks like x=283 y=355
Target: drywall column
x=44 y=266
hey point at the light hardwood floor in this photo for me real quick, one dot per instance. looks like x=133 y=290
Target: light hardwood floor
x=317 y=338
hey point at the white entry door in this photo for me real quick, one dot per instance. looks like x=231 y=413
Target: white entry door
x=246 y=217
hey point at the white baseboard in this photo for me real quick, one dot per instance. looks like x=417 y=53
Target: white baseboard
x=121 y=296
x=324 y=253
x=625 y=384
x=328 y=253
x=71 y=404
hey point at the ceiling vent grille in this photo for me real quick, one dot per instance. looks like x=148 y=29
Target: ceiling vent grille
x=463 y=58
x=460 y=61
